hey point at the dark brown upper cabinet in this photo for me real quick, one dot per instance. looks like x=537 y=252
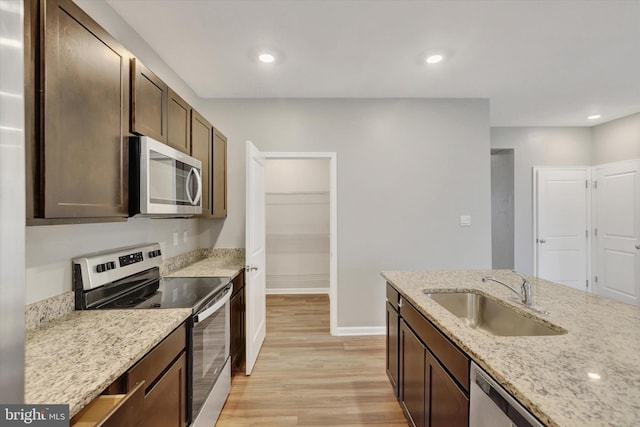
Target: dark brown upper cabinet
x=84 y=108
x=219 y=175
x=179 y=131
x=202 y=149
x=149 y=98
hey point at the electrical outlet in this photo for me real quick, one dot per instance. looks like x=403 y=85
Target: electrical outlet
x=185 y=237
x=175 y=239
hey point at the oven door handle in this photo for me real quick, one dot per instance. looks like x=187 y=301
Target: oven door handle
x=209 y=311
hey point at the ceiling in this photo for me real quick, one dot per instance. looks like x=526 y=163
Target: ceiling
x=541 y=63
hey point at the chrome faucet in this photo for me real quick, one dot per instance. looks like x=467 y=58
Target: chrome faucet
x=524 y=293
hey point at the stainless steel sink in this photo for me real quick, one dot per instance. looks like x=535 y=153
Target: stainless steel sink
x=482 y=312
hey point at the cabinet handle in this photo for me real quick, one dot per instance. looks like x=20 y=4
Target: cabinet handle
x=400 y=303
x=637 y=246
x=543 y=241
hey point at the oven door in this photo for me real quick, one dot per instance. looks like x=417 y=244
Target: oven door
x=170 y=182
x=210 y=354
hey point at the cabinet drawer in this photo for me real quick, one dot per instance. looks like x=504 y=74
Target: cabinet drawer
x=392 y=296
x=118 y=410
x=456 y=362
x=157 y=360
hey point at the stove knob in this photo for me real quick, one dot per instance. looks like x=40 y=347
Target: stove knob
x=100 y=268
x=112 y=265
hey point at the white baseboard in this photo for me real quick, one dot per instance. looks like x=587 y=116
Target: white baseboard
x=297 y=291
x=361 y=330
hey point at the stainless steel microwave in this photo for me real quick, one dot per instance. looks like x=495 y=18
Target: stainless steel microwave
x=162 y=180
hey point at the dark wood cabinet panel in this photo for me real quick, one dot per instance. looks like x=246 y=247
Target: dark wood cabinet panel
x=149 y=97
x=238 y=324
x=393 y=326
x=179 y=123
x=165 y=404
x=85 y=114
x=219 y=171
x=202 y=149
x=449 y=406
x=413 y=379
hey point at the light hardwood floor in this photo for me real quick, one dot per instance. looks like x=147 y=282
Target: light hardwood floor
x=306 y=377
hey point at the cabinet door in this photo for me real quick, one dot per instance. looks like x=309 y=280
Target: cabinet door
x=238 y=334
x=413 y=379
x=179 y=126
x=149 y=97
x=449 y=406
x=85 y=75
x=392 y=346
x=202 y=149
x=165 y=404
x=219 y=174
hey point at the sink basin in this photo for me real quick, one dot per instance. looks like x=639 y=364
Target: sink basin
x=482 y=312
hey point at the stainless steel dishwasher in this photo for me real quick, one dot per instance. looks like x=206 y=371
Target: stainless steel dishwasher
x=492 y=406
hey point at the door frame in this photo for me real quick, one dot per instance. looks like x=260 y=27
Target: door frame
x=588 y=210
x=333 y=223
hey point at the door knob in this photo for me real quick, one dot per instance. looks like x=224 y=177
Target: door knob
x=253 y=268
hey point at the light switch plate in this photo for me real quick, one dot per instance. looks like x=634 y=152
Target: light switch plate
x=465 y=220
x=175 y=239
x=185 y=237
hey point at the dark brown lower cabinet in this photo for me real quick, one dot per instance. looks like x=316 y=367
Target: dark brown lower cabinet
x=393 y=326
x=433 y=376
x=165 y=403
x=413 y=380
x=238 y=324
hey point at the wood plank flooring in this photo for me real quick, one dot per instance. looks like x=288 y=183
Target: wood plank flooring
x=306 y=377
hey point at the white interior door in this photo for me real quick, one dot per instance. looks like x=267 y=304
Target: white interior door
x=255 y=292
x=617 y=221
x=562 y=214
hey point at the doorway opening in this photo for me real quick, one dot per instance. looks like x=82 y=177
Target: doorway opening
x=502 y=209
x=300 y=225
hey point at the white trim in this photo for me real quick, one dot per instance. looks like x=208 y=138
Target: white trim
x=360 y=330
x=333 y=225
x=297 y=291
x=620 y=163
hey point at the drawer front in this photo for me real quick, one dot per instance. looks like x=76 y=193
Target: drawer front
x=392 y=296
x=157 y=360
x=456 y=362
x=113 y=410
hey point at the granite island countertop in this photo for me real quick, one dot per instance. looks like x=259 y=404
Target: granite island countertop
x=72 y=359
x=548 y=374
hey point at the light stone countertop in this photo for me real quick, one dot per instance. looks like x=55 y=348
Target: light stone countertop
x=72 y=359
x=213 y=266
x=547 y=374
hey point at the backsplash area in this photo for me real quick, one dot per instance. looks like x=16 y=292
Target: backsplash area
x=57 y=306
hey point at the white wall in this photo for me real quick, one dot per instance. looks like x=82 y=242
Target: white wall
x=617 y=140
x=502 y=209
x=407 y=169
x=537 y=146
x=297 y=225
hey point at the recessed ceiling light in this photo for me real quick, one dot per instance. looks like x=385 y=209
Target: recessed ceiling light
x=434 y=59
x=594 y=117
x=266 y=58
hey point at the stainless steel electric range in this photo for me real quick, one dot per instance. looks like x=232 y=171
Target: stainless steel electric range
x=129 y=278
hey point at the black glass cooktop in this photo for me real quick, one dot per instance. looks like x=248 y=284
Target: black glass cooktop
x=172 y=292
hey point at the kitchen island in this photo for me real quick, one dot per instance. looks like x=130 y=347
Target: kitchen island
x=589 y=376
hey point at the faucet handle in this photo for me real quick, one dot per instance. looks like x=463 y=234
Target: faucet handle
x=522 y=276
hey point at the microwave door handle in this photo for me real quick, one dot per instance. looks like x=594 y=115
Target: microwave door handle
x=196 y=173
x=194 y=200
x=209 y=311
